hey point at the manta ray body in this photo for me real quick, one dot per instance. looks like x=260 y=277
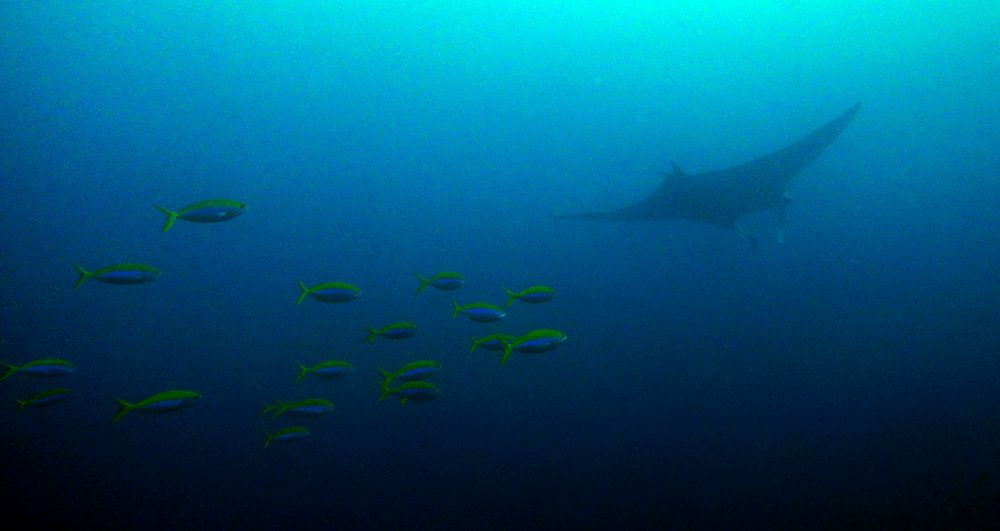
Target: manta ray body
x=721 y=197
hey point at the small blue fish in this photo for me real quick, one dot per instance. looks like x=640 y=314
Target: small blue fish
x=289 y=434
x=310 y=408
x=326 y=369
x=415 y=370
x=532 y=295
x=410 y=391
x=479 y=312
x=534 y=342
x=208 y=211
x=164 y=402
x=42 y=368
x=119 y=274
x=394 y=331
x=446 y=281
x=328 y=292
x=43 y=398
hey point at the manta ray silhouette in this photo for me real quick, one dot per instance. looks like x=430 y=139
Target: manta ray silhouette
x=721 y=197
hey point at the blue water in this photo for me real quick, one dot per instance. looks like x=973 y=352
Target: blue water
x=849 y=377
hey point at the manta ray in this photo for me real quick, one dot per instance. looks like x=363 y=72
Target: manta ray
x=721 y=197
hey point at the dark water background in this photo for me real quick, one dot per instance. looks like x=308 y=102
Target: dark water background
x=849 y=377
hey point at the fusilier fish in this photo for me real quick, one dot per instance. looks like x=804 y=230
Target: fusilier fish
x=309 y=407
x=479 y=312
x=532 y=295
x=394 y=331
x=289 y=434
x=44 y=398
x=491 y=342
x=207 y=211
x=119 y=274
x=328 y=292
x=325 y=369
x=445 y=281
x=415 y=370
x=410 y=391
x=534 y=342
x=159 y=403
x=43 y=368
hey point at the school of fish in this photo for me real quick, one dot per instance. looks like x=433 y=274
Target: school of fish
x=407 y=383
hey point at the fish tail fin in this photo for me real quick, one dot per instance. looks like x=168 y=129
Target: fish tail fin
x=267 y=439
x=455 y=308
x=303 y=371
x=423 y=283
x=383 y=385
x=511 y=297
x=8 y=369
x=278 y=408
x=123 y=408
x=475 y=343
x=302 y=294
x=84 y=275
x=371 y=334
x=20 y=404
x=267 y=408
x=507 y=347
x=171 y=218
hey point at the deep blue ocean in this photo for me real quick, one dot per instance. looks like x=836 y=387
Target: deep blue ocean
x=847 y=377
